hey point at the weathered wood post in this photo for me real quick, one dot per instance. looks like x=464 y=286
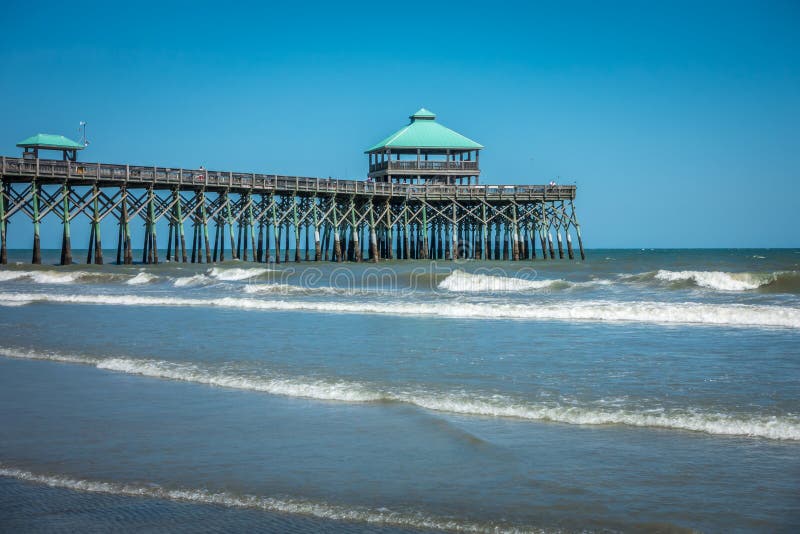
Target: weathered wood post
x=98 y=242
x=455 y=233
x=3 y=248
x=221 y=225
x=36 y=259
x=484 y=236
x=354 y=224
x=216 y=238
x=373 y=237
x=406 y=236
x=128 y=244
x=307 y=236
x=181 y=232
x=560 y=246
x=337 y=246
x=423 y=254
x=569 y=245
x=497 y=248
x=204 y=214
x=296 y=231
x=317 y=249
x=66 y=244
x=276 y=229
x=230 y=225
x=251 y=225
x=286 y=243
x=154 y=241
x=580 y=241
x=514 y=234
x=240 y=220
x=194 y=240
x=389 y=231
x=169 y=240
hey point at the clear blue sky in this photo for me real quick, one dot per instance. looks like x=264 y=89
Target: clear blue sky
x=678 y=121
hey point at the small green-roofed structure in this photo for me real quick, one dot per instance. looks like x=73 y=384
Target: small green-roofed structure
x=37 y=142
x=425 y=151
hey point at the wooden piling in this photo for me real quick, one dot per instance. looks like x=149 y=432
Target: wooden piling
x=3 y=247
x=90 y=248
x=98 y=242
x=205 y=225
x=169 y=240
x=296 y=232
x=569 y=245
x=179 y=222
x=373 y=237
x=66 y=244
x=230 y=226
x=37 y=250
x=286 y=244
x=317 y=248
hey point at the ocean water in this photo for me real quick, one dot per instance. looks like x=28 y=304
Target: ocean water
x=641 y=390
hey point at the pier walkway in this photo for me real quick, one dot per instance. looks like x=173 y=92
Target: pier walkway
x=339 y=220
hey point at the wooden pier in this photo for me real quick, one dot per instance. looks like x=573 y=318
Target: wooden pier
x=265 y=216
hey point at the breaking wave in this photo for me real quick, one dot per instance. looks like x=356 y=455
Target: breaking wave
x=236 y=273
x=719 y=280
x=461 y=282
x=687 y=313
x=476 y=404
x=52 y=277
x=322 y=510
x=195 y=280
x=142 y=278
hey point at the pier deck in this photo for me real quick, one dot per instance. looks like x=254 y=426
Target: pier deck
x=347 y=219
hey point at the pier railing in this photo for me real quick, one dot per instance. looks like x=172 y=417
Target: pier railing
x=83 y=173
x=413 y=165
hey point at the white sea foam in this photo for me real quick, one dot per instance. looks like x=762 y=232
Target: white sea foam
x=195 y=280
x=322 y=510
x=463 y=282
x=12 y=275
x=286 y=289
x=236 y=273
x=719 y=280
x=46 y=277
x=687 y=313
x=142 y=278
x=478 y=404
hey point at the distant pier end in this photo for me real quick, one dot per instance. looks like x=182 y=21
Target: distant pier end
x=422 y=200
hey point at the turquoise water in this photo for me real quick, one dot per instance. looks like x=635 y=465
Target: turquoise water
x=639 y=390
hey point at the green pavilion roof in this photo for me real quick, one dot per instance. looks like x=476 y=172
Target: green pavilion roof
x=51 y=142
x=425 y=132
